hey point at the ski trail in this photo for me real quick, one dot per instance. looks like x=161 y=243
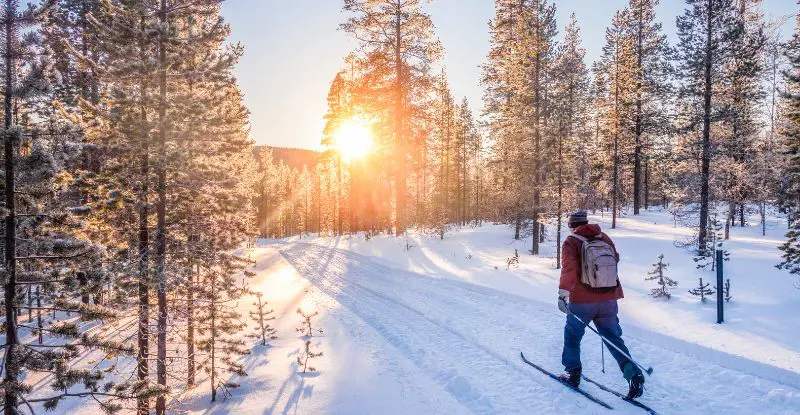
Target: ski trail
x=493 y=327
x=481 y=379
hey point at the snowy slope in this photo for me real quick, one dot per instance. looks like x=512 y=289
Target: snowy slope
x=358 y=372
x=467 y=338
x=437 y=329
x=759 y=325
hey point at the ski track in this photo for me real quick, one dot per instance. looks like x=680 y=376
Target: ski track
x=482 y=380
x=467 y=339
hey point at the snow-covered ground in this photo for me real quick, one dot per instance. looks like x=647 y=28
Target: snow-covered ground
x=438 y=328
x=759 y=324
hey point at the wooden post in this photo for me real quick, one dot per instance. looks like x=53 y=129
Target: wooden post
x=720 y=299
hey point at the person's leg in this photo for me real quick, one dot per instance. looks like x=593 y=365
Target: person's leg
x=607 y=324
x=573 y=333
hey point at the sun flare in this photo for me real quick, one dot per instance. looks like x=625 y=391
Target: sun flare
x=354 y=138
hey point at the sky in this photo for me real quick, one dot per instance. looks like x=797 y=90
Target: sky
x=293 y=49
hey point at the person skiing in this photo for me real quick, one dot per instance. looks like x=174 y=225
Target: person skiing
x=589 y=289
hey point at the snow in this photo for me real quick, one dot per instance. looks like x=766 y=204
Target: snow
x=438 y=328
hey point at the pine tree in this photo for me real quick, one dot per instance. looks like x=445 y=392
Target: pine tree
x=708 y=33
x=519 y=104
x=306 y=328
x=443 y=144
x=664 y=282
x=616 y=72
x=651 y=85
x=791 y=134
x=399 y=46
x=306 y=355
x=570 y=102
x=702 y=291
x=262 y=317
x=744 y=96
x=45 y=248
x=218 y=322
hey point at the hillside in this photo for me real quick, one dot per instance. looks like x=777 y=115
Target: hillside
x=296 y=158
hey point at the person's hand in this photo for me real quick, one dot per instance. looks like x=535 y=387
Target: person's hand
x=563 y=300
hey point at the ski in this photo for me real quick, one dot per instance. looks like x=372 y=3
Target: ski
x=624 y=398
x=554 y=377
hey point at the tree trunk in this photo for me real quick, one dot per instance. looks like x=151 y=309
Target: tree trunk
x=729 y=221
x=637 y=150
x=143 y=404
x=12 y=336
x=190 y=358
x=741 y=215
x=646 y=183
x=10 y=286
x=339 y=204
x=400 y=147
x=446 y=169
x=213 y=343
x=161 y=216
x=706 y=157
x=39 y=314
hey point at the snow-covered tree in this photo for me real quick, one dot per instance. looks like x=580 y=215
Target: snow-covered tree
x=218 y=323
x=305 y=355
x=261 y=316
x=664 y=282
x=306 y=328
x=702 y=291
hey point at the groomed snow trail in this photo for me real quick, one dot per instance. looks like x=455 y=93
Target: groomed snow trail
x=467 y=340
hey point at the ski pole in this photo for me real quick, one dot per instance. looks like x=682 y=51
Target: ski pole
x=602 y=356
x=649 y=370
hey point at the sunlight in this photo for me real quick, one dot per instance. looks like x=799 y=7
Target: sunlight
x=354 y=138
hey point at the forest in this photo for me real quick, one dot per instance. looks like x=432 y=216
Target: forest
x=132 y=189
x=703 y=127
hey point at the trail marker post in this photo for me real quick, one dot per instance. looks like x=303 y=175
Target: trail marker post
x=720 y=299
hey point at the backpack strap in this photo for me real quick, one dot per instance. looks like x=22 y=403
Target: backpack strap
x=579 y=237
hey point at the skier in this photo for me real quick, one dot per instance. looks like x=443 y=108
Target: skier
x=591 y=294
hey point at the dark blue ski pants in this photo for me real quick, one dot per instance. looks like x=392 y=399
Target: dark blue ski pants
x=604 y=316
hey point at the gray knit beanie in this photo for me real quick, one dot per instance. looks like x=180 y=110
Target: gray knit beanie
x=577 y=219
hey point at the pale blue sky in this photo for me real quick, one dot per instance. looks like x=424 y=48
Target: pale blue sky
x=293 y=48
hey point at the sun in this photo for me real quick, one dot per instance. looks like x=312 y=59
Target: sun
x=353 y=138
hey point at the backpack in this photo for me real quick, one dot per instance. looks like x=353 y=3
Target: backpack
x=599 y=263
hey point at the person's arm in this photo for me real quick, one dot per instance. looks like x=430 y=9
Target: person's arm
x=569 y=266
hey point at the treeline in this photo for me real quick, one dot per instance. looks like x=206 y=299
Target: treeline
x=127 y=185
x=702 y=126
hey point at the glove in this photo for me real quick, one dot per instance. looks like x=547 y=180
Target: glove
x=563 y=300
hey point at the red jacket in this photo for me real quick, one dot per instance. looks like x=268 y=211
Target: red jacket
x=571 y=269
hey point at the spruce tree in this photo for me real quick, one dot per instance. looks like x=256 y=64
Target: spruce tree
x=664 y=282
